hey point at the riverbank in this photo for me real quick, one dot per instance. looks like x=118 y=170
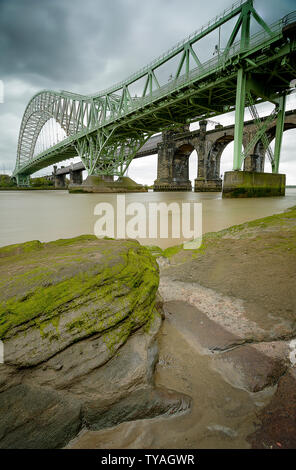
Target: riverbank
x=37 y=188
x=52 y=188
x=38 y=183
x=227 y=341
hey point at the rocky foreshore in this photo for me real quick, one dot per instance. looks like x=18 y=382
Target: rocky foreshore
x=228 y=341
x=88 y=357
x=234 y=300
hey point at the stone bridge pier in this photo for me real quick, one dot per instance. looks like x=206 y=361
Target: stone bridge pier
x=59 y=180
x=209 y=154
x=173 y=163
x=176 y=147
x=210 y=147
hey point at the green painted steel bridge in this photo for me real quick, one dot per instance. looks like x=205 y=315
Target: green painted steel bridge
x=107 y=129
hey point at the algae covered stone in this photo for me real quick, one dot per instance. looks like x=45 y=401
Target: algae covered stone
x=55 y=294
x=79 y=319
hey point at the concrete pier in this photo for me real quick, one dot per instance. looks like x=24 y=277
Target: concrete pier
x=253 y=184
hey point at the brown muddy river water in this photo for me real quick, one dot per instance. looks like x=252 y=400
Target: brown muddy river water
x=49 y=215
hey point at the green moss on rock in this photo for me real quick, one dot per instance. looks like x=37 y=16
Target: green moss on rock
x=20 y=248
x=245 y=230
x=71 y=289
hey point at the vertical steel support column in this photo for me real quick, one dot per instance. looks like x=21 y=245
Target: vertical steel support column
x=239 y=119
x=245 y=31
x=279 y=133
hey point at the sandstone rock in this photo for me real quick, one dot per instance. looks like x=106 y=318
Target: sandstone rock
x=228 y=312
x=249 y=368
x=143 y=403
x=9 y=376
x=201 y=331
x=274 y=349
x=34 y=417
x=55 y=294
x=84 y=370
x=79 y=320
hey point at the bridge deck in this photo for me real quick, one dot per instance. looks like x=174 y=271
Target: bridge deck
x=150 y=147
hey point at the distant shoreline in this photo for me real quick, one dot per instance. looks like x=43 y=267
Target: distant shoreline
x=50 y=188
x=15 y=188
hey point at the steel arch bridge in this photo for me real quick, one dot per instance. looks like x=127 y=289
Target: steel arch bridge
x=107 y=129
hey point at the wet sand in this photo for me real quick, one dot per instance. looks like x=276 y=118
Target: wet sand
x=221 y=416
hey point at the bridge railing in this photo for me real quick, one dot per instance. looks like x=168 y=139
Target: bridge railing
x=143 y=70
x=290 y=18
x=256 y=40
x=259 y=38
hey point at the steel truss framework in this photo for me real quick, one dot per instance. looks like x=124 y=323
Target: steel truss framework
x=107 y=129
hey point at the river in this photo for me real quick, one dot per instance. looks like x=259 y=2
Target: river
x=49 y=215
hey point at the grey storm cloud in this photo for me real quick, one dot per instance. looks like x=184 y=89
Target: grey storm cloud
x=58 y=41
x=87 y=45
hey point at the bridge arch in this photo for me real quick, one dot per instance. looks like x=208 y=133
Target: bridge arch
x=44 y=106
x=49 y=133
x=181 y=162
x=213 y=161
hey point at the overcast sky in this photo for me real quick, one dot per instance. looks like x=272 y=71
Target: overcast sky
x=87 y=45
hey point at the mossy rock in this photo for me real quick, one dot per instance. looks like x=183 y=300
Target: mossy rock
x=55 y=294
x=284 y=221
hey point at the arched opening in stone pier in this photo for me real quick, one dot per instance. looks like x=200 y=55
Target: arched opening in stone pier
x=224 y=145
x=226 y=159
x=211 y=168
x=181 y=167
x=173 y=165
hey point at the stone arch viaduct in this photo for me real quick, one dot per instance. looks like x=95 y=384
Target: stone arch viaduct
x=175 y=147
